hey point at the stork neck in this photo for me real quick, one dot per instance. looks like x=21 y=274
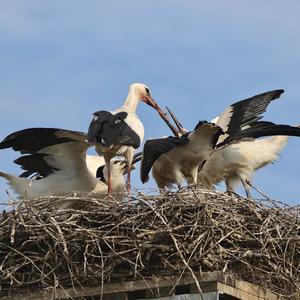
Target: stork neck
x=131 y=102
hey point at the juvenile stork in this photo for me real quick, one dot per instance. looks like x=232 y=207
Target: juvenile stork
x=56 y=164
x=120 y=132
x=176 y=158
x=236 y=163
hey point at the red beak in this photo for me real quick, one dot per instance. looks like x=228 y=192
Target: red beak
x=150 y=101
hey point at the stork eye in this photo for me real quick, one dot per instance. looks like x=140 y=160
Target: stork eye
x=147 y=90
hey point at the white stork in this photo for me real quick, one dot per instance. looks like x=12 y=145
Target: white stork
x=59 y=159
x=237 y=162
x=120 y=132
x=176 y=158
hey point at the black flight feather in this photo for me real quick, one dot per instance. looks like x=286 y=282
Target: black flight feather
x=249 y=110
x=32 y=140
x=34 y=163
x=107 y=129
x=261 y=129
x=154 y=148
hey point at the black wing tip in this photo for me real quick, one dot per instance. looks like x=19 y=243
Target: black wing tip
x=32 y=140
x=92 y=131
x=29 y=133
x=18 y=160
x=4 y=145
x=272 y=95
x=144 y=175
x=263 y=129
x=145 y=180
x=277 y=93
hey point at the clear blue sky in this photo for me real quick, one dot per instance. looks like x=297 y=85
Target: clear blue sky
x=63 y=60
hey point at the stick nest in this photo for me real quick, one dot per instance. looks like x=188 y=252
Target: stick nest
x=182 y=233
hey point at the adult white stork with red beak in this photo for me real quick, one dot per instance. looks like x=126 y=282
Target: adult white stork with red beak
x=120 y=132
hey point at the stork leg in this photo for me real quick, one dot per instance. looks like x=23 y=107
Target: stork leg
x=192 y=178
x=128 y=182
x=230 y=187
x=246 y=187
x=129 y=158
x=109 y=189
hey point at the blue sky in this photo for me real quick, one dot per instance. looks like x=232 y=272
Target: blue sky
x=63 y=60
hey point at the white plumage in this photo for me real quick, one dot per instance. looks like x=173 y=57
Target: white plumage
x=177 y=158
x=93 y=162
x=182 y=161
x=237 y=163
x=120 y=132
x=64 y=182
x=59 y=157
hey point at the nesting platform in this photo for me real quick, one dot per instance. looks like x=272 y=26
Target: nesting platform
x=214 y=286
x=172 y=245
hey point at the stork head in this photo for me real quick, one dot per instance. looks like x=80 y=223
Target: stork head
x=142 y=92
x=117 y=170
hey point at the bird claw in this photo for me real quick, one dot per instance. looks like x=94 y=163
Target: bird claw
x=233 y=193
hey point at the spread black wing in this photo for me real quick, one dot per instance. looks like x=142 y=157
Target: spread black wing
x=44 y=148
x=245 y=113
x=261 y=129
x=154 y=148
x=35 y=163
x=32 y=140
x=107 y=129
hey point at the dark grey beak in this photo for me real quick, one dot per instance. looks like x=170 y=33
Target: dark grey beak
x=137 y=157
x=176 y=121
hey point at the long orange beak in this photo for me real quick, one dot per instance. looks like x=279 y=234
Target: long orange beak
x=150 y=101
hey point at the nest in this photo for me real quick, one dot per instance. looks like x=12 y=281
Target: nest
x=184 y=233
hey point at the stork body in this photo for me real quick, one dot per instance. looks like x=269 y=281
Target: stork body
x=238 y=122
x=60 y=183
x=120 y=132
x=59 y=158
x=237 y=163
x=184 y=156
x=171 y=168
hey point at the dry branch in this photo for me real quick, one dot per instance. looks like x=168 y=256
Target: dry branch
x=184 y=233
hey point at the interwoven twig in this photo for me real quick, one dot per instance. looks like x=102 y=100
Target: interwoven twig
x=172 y=234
